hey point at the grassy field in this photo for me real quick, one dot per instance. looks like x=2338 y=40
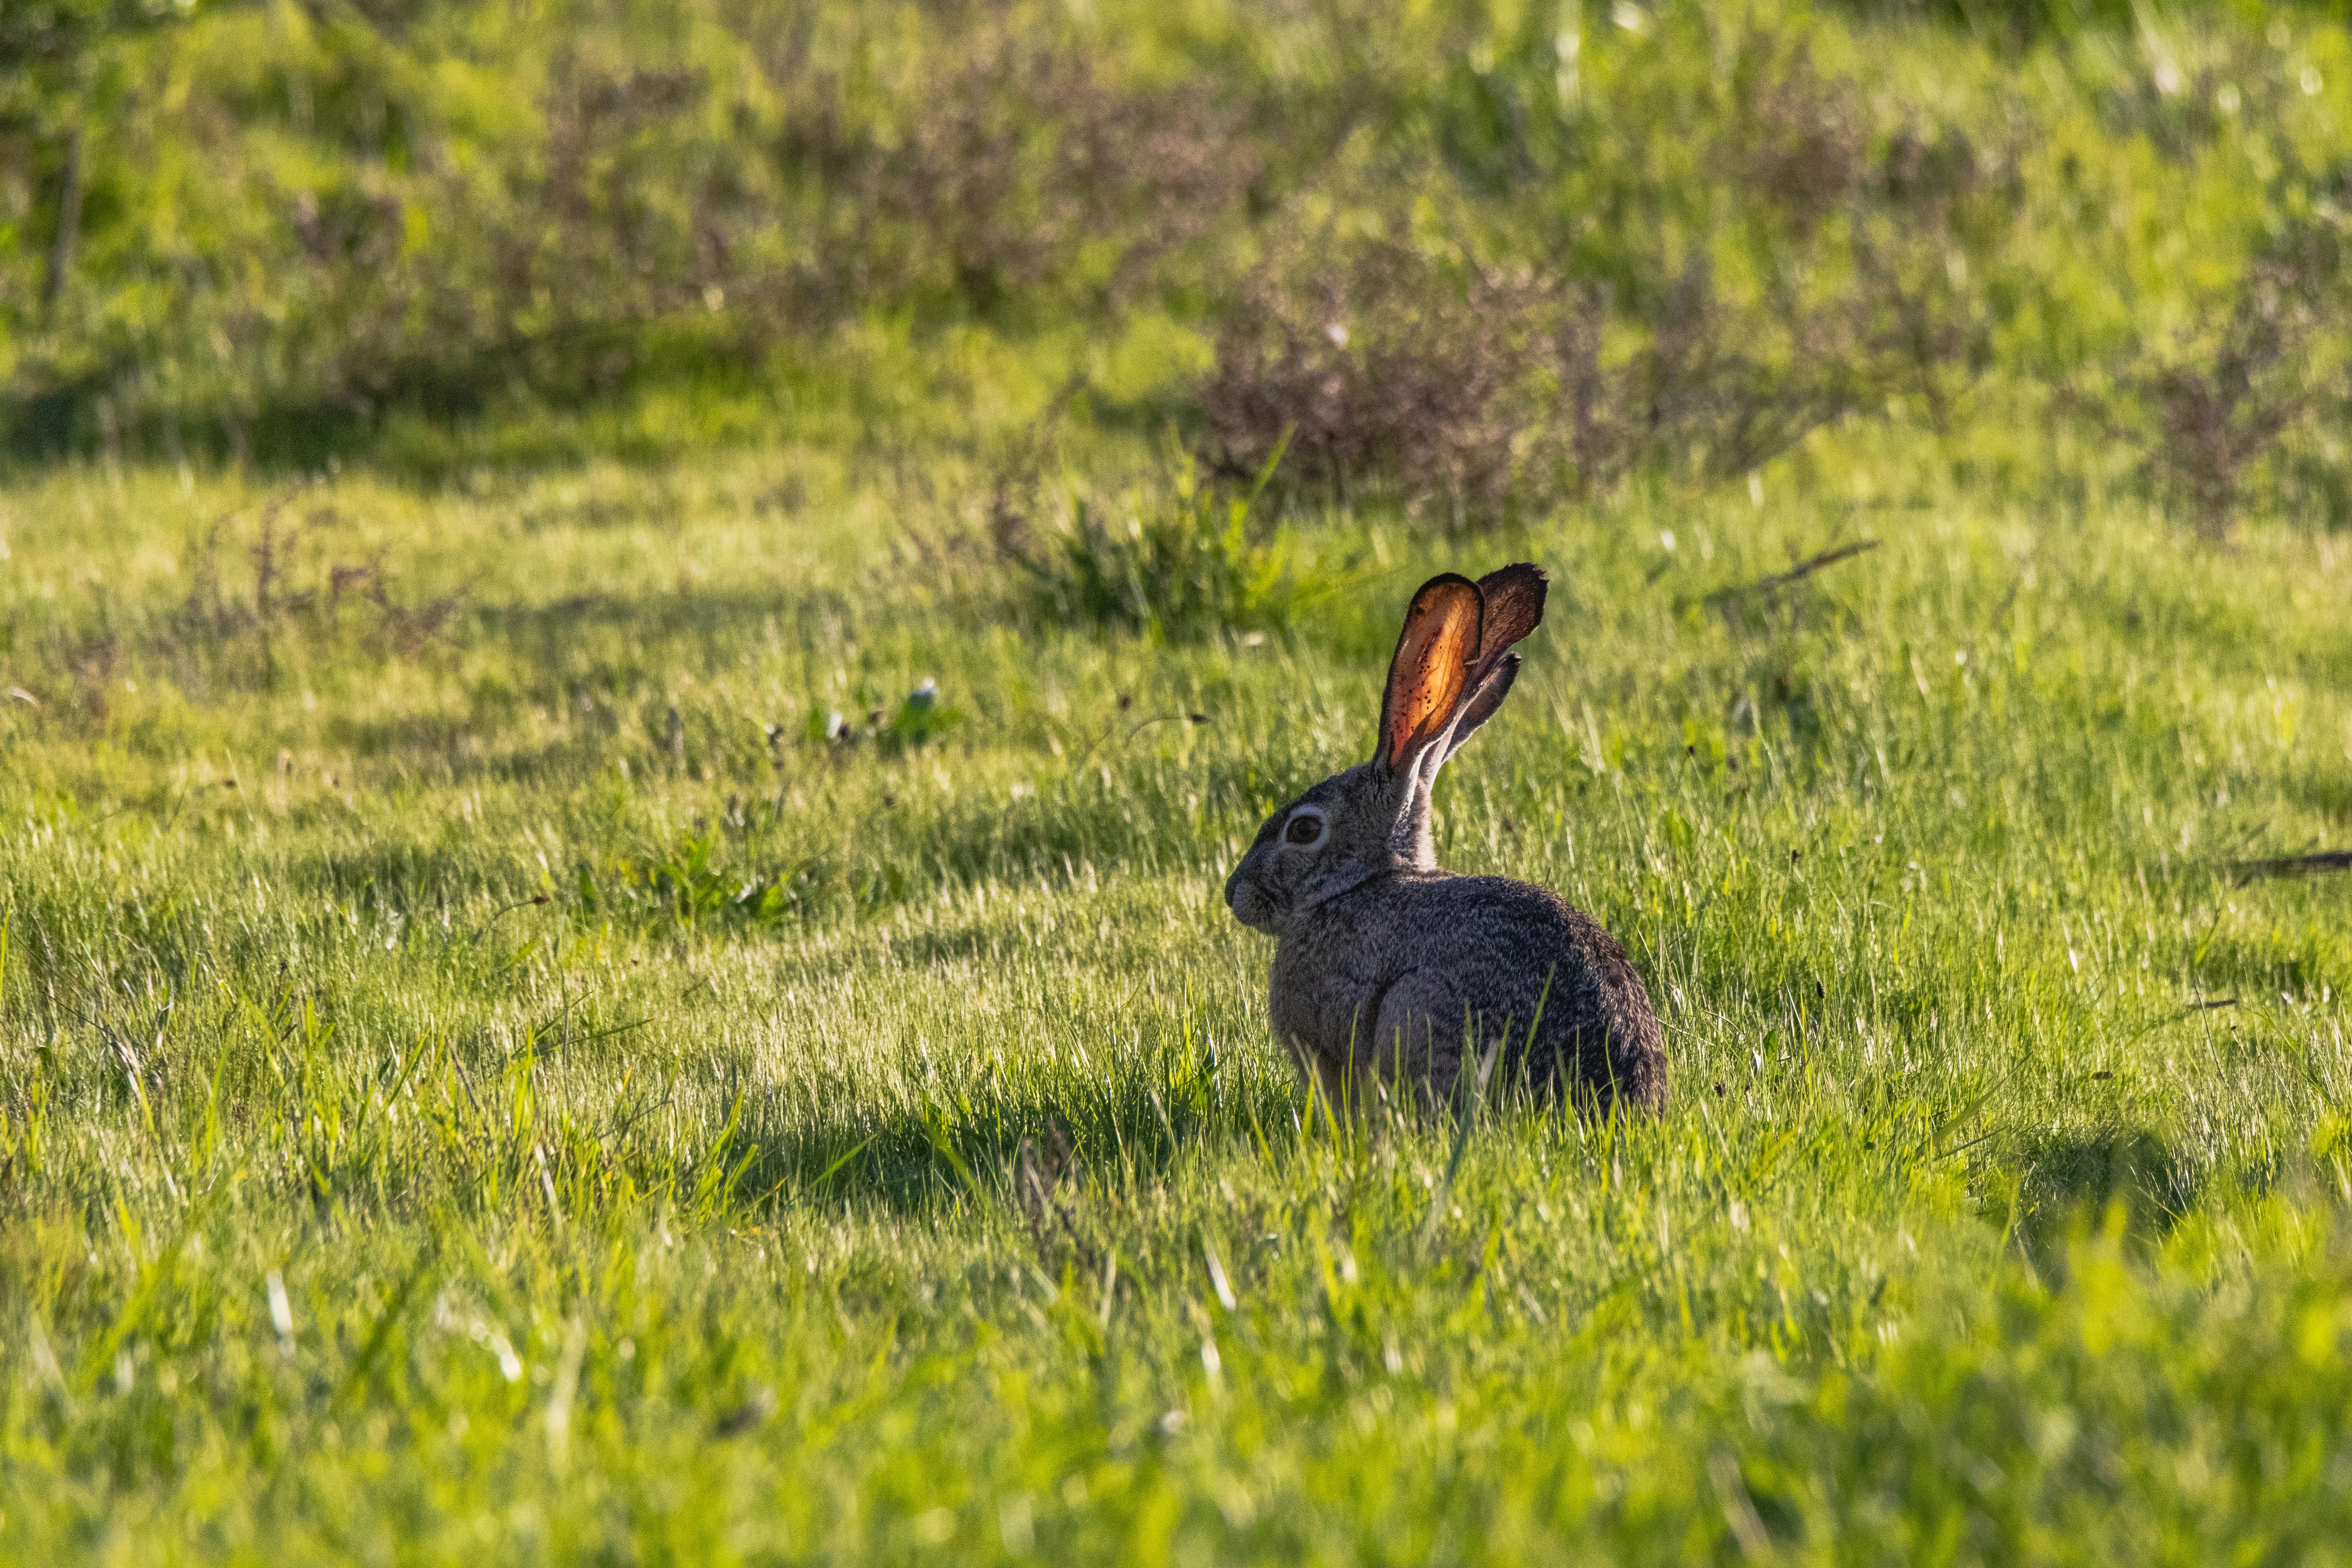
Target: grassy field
x=487 y=1077
x=628 y=676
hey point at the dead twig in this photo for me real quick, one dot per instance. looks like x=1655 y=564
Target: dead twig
x=1794 y=575
x=483 y=930
x=2290 y=866
x=1088 y=755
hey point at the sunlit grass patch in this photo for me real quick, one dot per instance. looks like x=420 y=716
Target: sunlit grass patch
x=445 y=1097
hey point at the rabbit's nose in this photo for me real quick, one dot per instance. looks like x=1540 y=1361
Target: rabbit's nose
x=1248 y=900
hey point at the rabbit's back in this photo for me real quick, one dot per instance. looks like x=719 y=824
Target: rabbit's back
x=1400 y=974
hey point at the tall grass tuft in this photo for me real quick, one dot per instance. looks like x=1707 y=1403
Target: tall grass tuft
x=1181 y=558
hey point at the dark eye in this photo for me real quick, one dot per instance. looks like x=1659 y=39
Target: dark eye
x=1304 y=829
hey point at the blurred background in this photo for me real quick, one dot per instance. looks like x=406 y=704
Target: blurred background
x=1478 y=258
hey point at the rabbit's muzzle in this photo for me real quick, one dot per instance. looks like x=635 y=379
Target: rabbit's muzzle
x=1248 y=899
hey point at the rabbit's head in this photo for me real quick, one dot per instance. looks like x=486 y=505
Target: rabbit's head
x=1452 y=669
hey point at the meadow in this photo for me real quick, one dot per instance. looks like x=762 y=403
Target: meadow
x=642 y=977
x=513 y=1084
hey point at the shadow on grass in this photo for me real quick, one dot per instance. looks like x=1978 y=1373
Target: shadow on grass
x=2325 y=788
x=2284 y=960
x=1132 y=1124
x=750 y=877
x=2086 y=1180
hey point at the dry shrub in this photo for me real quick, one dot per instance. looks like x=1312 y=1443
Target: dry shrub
x=655 y=212
x=1395 y=368
x=1799 y=138
x=1002 y=170
x=1615 y=347
x=298 y=585
x=551 y=266
x=1140 y=173
x=1003 y=162
x=276 y=589
x=2247 y=401
x=1871 y=242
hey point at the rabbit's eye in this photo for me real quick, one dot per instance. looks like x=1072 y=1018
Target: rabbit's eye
x=1304 y=829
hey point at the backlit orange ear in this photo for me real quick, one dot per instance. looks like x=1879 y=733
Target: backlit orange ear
x=1442 y=631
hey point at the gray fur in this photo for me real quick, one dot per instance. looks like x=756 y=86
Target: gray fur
x=1387 y=964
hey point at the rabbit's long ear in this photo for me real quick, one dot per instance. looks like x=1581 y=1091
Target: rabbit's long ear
x=1443 y=627
x=1480 y=705
x=1513 y=598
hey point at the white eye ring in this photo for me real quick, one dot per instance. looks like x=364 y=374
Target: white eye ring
x=1309 y=816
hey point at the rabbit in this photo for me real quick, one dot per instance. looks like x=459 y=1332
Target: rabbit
x=1384 y=961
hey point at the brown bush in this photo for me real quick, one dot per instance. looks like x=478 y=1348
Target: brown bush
x=1393 y=368
x=1613 y=346
x=2243 y=402
x=655 y=214
x=1007 y=162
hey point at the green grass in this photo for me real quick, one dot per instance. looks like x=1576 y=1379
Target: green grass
x=876 y=1150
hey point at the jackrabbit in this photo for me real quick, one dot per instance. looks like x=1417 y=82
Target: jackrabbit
x=1385 y=962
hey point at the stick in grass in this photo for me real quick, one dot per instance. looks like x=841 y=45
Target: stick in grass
x=1794 y=575
x=2291 y=866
